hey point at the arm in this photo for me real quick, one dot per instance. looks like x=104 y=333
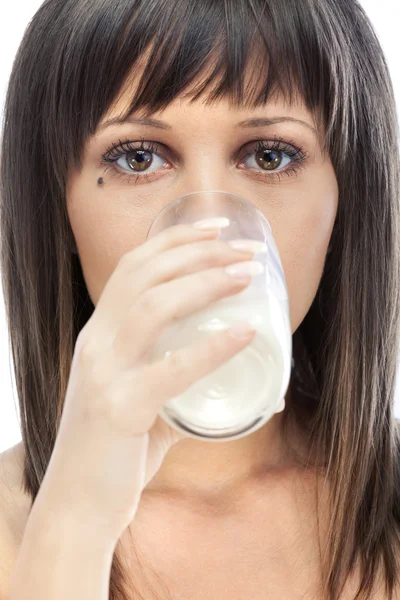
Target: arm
x=61 y=557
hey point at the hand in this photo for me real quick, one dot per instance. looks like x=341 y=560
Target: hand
x=111 y=441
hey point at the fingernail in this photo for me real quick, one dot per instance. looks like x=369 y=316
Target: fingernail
x=214 y=223
x=244 y=269
x=241 y=330
x=253 y=245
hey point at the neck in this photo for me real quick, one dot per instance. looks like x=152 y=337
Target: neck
x=204 y=469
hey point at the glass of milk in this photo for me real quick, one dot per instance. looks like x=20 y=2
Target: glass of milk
x=242 y=394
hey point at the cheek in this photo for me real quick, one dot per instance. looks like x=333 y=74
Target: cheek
x=106 y=227
x=303 y=260
x=303 y=245
x=102 y=234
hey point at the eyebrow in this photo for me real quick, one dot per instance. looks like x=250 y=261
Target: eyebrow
x=247 y=124
x=262 y=122
x=136 y=121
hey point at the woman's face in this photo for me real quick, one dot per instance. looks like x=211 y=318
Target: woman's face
x=195 y=147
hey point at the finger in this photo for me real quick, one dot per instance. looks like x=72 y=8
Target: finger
x=114 y=299
x=168 y=303
x=185 y=260
x=172 y=237
x=172 y=376
x=159 y=269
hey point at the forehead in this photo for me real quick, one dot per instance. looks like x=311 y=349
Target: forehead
x=187 y=105
x=181 y=109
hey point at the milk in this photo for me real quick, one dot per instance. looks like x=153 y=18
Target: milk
x=244 y=392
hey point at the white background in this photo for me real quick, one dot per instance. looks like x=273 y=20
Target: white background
x=14 y=17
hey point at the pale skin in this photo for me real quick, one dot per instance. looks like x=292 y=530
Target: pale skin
x=202 y=147
x=202 y=150
x=242 y=510
x=235 y=519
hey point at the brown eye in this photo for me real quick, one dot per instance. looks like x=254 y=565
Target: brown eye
x=139 y=160
x=268 y=159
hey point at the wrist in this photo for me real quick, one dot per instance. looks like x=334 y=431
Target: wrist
x=55 y=522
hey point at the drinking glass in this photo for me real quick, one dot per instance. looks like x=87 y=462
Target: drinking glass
x=242 y=394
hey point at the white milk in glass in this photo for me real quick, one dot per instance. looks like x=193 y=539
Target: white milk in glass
x=249 y=386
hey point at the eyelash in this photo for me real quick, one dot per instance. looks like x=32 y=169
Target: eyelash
x=298 y=155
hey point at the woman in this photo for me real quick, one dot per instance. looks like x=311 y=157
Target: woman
x=114 y=109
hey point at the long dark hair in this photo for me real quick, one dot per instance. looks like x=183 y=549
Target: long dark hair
x=70 y=68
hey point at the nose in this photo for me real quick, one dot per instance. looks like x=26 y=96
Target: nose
x=207 y=169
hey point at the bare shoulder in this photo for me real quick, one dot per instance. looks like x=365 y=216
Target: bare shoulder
x=14 y=511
